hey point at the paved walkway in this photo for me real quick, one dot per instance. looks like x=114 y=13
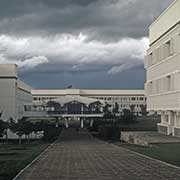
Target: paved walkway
x=80 y=157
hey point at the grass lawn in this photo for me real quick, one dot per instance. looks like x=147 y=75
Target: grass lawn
x=169 y=153
x=14 y=157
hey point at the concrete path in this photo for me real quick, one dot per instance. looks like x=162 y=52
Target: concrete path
x=80 y=157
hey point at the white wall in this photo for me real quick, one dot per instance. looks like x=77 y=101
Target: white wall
x=8 y=76
x=13 y=93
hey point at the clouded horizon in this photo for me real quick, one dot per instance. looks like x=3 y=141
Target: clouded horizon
x=86 y=43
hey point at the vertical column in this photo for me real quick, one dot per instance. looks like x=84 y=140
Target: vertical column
x=66 y=123
x=170 y=122
x=57 y=122
x=177 y=122
x=91 y=122
x=169 y=117
x=82 y=123
x=82 y=109
x=163 y=118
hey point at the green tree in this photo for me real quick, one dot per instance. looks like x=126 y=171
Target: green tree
x=97 y=109
x=132 y=108
x=128 y=117
x=106 y=111
x=2 y=128
x=106 y=108
x=38 y=126
x=143 y=109
x=116 y=108
x=22 y=127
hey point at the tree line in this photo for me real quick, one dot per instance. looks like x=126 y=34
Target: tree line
x=24 y=127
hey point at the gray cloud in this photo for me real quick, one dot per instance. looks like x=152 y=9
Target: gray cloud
x=75 y=36
x=101 y=19
x=72 y=53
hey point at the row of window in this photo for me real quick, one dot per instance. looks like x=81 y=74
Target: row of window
x=129 y=106
x=160 y=53
x=99 y=98
x=121 y=98
x=164 y=84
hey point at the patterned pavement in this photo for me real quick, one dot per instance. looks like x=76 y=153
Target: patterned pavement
x=78 y=156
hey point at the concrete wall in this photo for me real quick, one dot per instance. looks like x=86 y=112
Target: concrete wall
x=13 y=93
x=8 y=87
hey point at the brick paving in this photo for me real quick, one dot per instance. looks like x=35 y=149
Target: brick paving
x=81 y=157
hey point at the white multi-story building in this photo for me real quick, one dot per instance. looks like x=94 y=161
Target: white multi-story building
x=162 y=65
x=124 y=98
x=14 y=94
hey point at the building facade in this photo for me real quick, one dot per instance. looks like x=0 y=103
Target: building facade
x=14 y=94
x=162 y=64
x=124 y=98
x=19 y=100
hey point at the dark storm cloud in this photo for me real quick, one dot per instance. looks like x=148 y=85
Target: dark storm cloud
x=100 y=19
x=74 y=37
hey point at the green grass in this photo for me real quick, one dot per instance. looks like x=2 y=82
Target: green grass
x=15 y=157
x=169 y=153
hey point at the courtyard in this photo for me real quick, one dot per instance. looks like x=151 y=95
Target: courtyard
x=77 y=155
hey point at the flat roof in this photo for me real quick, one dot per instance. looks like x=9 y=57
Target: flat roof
x=62 y=92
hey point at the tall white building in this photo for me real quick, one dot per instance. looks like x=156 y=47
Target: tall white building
x=162 y=65
x=14 y=94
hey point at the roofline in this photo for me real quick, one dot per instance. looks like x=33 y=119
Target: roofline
x=158 y=18
x=89 y=89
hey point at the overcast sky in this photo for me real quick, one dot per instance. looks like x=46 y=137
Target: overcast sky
x=84 y=43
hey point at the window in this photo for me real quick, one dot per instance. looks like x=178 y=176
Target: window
x=168 y=83
x=35 y=98
x=133 y=98
x=141 y=99
x=150 y=59
x=150 y=88
x=168 y=48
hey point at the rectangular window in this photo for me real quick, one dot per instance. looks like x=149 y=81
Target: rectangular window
x=150 y=59
x=168 y=48
x=133 y=98
x=109 y=99
x=150 y=88
x=168 y=44
x=168 y=81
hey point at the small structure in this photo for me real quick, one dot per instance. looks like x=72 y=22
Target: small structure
x=147 y=138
